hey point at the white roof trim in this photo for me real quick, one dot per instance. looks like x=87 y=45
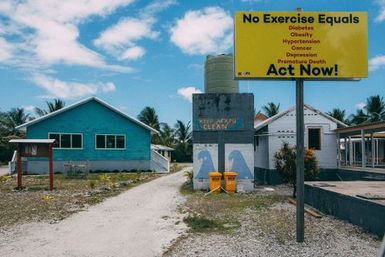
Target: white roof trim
x=279 y=115
x=72 y=106
x=33 y=141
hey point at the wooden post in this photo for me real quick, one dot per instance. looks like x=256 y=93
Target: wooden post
x=19 y=167
x=50 y=167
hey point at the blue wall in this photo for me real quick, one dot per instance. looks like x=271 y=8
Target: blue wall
x=94 y=118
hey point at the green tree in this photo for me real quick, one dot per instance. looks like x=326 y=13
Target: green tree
x=166 y=135
x=358 y=117
x=57 y=104
x=285 y=163
x=375 y=108
x=183 y=148
x=8 y=123
x=148 y=116
x=338 y=114
x=270 y=109
x=14 y=118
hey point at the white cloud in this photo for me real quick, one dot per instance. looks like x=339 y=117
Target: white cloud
x=69 y=90
x=187 y=92
x=360 y=106
x=206 y=31
x=376 y=62
x=29 y=108
x=125 y=32
x=48 y=30
x=121 y=39
x=109 y=87
x=133 y=53
x=381 y=15
x=6 y=50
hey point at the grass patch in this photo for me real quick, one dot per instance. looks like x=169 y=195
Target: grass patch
x=202 y=224
x=70 y=195
x=223 y=212
x=187 y=188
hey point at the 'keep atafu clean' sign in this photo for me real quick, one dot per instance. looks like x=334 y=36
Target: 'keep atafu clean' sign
x=317 y=45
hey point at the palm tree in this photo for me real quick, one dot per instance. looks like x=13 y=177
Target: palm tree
x=183 y=132
x=338 y=114
x=57 y=104
x=166 y=135
x=148 y=116
x=183 y=149
x=375 y=108
x=358 y=118
x=14 y=118
x=270 y=109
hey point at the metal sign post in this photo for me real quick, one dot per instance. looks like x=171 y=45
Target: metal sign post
x=300 y=160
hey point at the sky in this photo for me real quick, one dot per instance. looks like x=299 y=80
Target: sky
x=134 y=54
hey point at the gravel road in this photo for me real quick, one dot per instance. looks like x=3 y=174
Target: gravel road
x=140 y=222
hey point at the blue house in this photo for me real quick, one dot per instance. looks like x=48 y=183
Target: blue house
x=93 y=133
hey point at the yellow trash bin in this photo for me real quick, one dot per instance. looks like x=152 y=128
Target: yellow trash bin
x=230 y=181
x=215 y=181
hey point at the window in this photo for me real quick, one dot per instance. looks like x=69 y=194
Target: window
x=110 y=142
x=314 y=138
x=67 y=141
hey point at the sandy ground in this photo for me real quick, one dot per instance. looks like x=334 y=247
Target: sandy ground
x=140 y=222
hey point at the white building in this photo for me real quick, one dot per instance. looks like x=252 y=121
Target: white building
x=270 y=134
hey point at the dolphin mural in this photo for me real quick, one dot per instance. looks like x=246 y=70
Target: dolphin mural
x=239 y=165
x=207 y=164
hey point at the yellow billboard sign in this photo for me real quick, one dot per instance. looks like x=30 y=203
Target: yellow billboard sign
x=314 y=45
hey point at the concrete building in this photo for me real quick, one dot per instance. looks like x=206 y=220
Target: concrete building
x=320 y=135
x=93 y=133
x=223 y=137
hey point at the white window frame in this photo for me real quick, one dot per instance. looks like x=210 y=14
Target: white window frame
x=105 y=142
x=67 y=148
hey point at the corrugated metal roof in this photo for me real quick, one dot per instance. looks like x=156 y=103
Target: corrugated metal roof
x=72 y=106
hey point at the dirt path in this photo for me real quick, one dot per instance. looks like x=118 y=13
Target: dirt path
x=140 y=222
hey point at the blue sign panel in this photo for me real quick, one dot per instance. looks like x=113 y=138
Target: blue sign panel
x=210 y=124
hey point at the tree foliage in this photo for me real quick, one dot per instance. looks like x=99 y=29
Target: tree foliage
x=57 y=104
x=183 y=147
x=285 y=163
x=8 y=123
x=373 y=111
x=271 y=109
x=338 y=114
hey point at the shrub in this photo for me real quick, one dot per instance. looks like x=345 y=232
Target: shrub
x=285 y=164
x=92 y=184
